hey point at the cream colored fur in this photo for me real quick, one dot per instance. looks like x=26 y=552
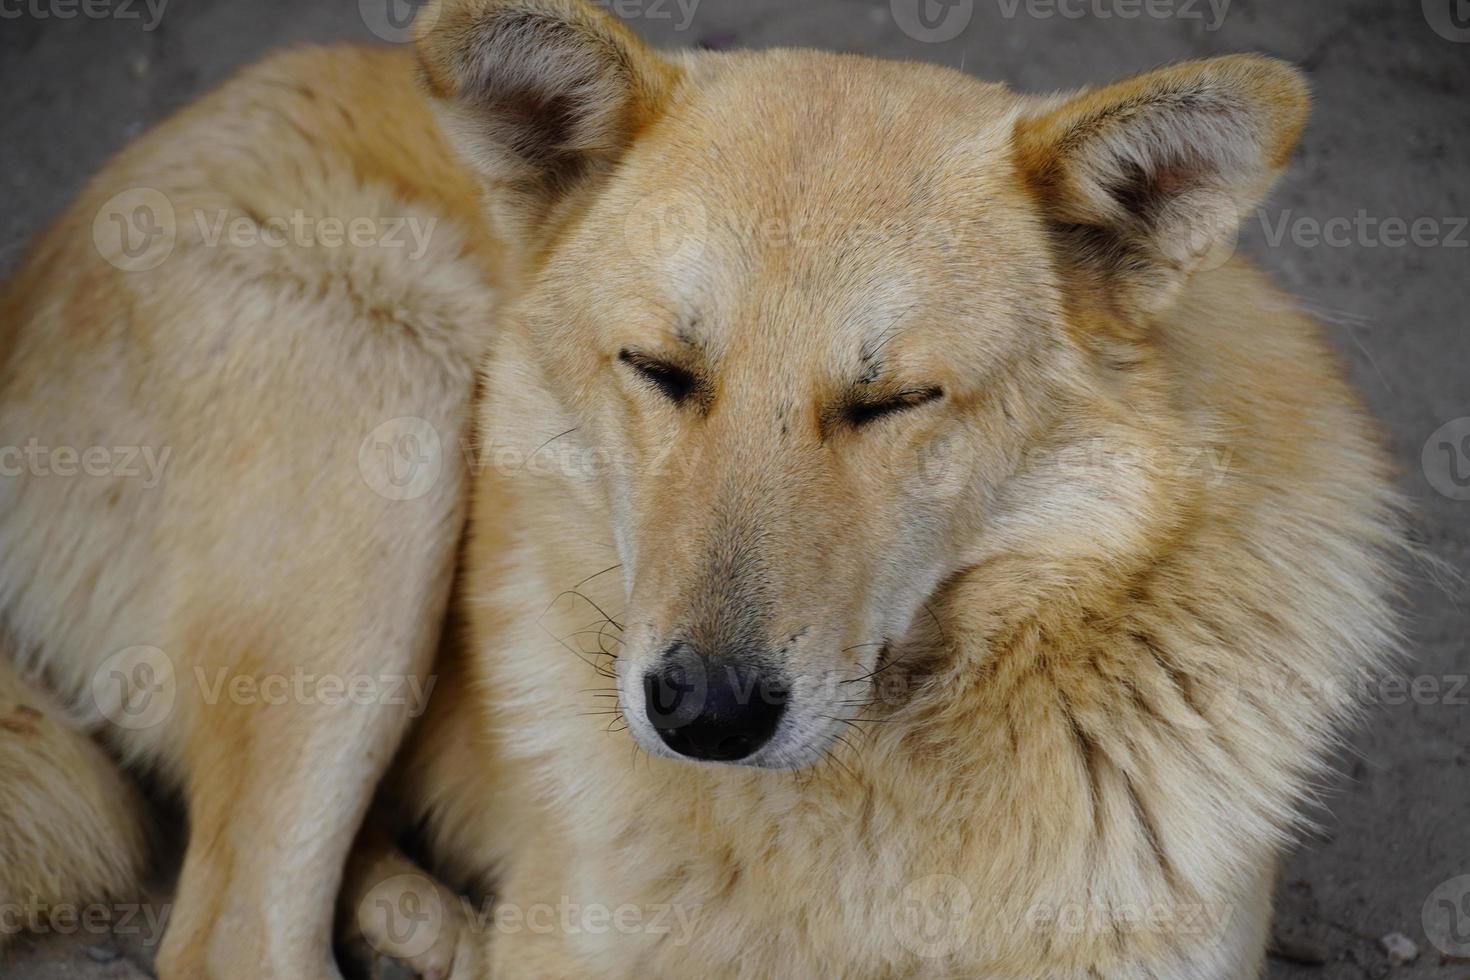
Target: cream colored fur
x=74 y=828
x=264 y=550
x=1069 y=641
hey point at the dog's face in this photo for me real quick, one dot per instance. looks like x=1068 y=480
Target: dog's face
x=809 y=315
x=790 y=354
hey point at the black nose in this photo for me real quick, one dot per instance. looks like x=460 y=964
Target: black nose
x=716 y=710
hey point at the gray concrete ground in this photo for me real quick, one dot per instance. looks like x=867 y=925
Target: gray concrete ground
x=1390 y=143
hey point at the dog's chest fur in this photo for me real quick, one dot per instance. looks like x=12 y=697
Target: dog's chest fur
x=1019 y=821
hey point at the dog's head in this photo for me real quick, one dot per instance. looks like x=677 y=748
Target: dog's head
x=811 y=321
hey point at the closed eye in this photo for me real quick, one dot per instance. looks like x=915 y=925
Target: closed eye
x=675 y=383
x=861 y=412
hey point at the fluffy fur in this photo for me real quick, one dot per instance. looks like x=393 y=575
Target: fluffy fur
x=1066 y=642
x=264 y=551
x=74 y=827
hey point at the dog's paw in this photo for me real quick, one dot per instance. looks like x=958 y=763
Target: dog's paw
x=411 y=922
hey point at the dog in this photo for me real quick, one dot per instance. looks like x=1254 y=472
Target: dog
x=857 y=520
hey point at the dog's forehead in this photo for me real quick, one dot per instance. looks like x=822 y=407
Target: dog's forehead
x=818 y=216
x=809 y=128
x=791 y=190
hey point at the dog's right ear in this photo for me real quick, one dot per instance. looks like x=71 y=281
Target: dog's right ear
x=540 y=96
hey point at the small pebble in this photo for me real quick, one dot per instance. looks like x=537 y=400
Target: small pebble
x=391 y=969
x=718 y=42
x=1304 y=951
x=1400 y=948
x=102 y=954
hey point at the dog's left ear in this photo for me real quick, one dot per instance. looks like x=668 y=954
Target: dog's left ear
x=541 y=97
x=1146 y=182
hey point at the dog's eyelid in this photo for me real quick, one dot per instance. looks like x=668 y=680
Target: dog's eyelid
x=861 y=411
x=674 y=382
x=920 y=396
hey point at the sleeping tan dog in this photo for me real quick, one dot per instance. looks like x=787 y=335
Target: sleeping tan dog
x=902 y=541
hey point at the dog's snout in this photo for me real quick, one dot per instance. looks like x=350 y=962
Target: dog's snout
x=718 y=710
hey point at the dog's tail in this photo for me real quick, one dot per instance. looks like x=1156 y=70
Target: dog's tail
x=73 y=832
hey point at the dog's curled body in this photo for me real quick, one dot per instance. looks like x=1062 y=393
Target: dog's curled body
x=75 y=830
x=241 y=354
x=1093 y=780
x=1063 y=534
x=1163 y=527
